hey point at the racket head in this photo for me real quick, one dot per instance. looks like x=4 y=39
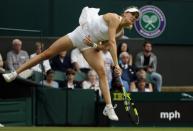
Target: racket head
x=130 y=108
x=129 y=105
x=133 y=114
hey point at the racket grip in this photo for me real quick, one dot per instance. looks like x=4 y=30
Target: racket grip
x=120 y=80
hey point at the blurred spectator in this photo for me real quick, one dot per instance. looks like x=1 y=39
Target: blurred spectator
x=61 y=62
x=128 y=71
x=141 y=74
x=1 y=64
x=44 y=66
x=49 y=80
x=78 y=61
x=148 y=61
x=108 y=61
x=70 y=82
x=123 y=47
x=16 y=57
x=92 y=82
x=142 y=86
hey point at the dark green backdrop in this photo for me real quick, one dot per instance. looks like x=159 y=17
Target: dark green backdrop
x=58 y=17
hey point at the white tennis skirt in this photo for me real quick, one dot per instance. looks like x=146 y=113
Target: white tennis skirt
x=77 y=37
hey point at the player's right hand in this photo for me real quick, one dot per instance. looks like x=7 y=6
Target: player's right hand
x=87 y=40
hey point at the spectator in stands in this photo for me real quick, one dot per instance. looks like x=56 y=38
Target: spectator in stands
x=44 y=66
x=16 y=57
x=1 y=64
x=92 y=82
x=70 y=82
x=142 y=86
x=49 y=80
x=123 y=47
x=128 y=71
x=148 y=61
x=108 y=61
x=78 y=61
x=61 y=62
x=141 y=74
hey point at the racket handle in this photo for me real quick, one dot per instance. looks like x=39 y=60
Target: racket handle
x=122 y=85
x=120 y=80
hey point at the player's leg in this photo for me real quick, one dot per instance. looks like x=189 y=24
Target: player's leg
x=95 y=60
x=62 y=44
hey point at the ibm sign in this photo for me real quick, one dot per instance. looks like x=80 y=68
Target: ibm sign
x=157 y=113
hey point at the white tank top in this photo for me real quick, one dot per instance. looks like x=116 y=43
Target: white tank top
x=98 y=29
x=93 y=24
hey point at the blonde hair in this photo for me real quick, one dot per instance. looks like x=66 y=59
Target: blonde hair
x=92 y=72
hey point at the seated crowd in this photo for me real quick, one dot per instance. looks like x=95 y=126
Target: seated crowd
x=138 y=75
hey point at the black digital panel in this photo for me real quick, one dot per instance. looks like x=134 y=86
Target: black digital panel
x=158 y=113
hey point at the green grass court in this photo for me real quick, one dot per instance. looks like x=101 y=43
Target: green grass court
x=95 y=129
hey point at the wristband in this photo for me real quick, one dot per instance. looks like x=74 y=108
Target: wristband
x=94 y=45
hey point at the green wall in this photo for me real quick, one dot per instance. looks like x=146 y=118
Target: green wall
x=65 y=107
x=16 y=112
x=58 y=17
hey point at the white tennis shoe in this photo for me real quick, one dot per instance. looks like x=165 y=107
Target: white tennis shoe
x=1 y=125
x=109 y=111
x=9 y=77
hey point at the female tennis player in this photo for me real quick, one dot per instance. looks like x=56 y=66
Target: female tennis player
x=93 y=29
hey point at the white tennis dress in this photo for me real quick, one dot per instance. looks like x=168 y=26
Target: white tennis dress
x=91 y=24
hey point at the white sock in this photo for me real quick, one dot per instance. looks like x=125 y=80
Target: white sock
x=15 y=73
x=109 y=105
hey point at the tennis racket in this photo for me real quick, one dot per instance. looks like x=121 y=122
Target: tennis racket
x=129 y=105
